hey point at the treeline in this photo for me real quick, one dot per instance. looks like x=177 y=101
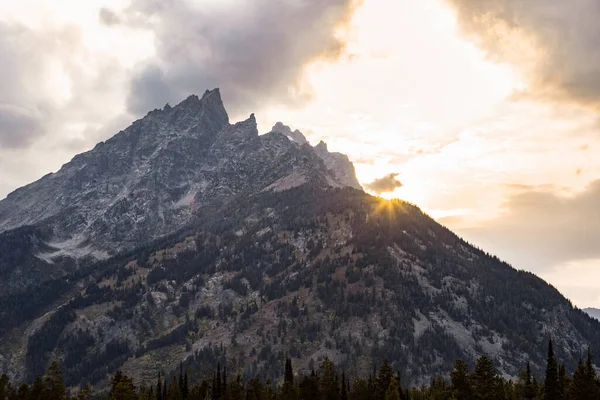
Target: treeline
x=483 y=383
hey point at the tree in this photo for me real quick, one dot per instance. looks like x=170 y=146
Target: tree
x=85 y=393
x=122 y=387
x=23 y=392
x=55 y=388
x=159 y=391
x=256 y=390
x=384 y=378
x=344 y=387
x=459 y=378
x=174 y=392
x=288 y=391
x=526 y=387
x=216 y=394
x=585 y=385
x=308 y=388
x=360 y=390
x=289 y=372
x=185 y=391
x=484 y=379
x=551 y=383
x=393 y=390
x=37 y=390
x=4 y=386
x=328 y=387
x=235 y=390
x=563 y=382
x=579 y=388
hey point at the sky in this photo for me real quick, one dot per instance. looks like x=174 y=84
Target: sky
x=483 y=113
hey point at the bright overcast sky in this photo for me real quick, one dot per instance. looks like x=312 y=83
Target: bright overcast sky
x=486 y=111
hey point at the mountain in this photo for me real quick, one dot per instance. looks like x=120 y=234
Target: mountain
x=593 y=312
x=148 y=180
x=185 y=237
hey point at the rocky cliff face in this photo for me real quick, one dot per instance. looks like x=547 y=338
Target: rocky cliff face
x=148 y=180
x=185 y=237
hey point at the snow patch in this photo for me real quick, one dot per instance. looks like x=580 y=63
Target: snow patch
x=77 y=247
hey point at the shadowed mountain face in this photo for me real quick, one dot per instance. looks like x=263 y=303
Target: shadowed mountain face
x=185 y=237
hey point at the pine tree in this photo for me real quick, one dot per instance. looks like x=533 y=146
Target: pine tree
x=37 y=390
x=5 y=388
x=23 y=392
x=585 y=384
x=551 y=384
x=219 y=391
x=174 y=392
x=344 y=388
x=328 y=387
x=288 y=391
x=459 y=377
x=256 y=390
x=159 y=392
x=393 y=390
x=289 y=372
x=54 y=384
x=186 y=389
x=563 y=381
x=213 y=386
x=85 y=393
x=529 y=388
x=122 y=387
x=384 y=378
x=235 y=390
x=181 y=377
x=580 y=385
x=484 y=379
x=224 y=383
x=309 y=387
x=360 y=390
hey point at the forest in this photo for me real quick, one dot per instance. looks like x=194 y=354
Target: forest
x=483 y=382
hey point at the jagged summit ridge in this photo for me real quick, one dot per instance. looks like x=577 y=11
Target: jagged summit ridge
x=338 y=164
x=295 y=136
x=149 y=179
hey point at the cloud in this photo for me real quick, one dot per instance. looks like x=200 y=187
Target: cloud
x=18 y=126
x=385 y=184
x=540 y=229
x=255 y=52
x=22 y=106
x=554 y=43
x=108 y=17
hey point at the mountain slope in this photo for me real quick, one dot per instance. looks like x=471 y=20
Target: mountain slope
x=272 y=251
x=593 y=312
x=148 y=180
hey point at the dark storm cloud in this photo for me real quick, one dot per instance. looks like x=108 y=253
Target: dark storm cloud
x=567 y=32
x=21 y=107
x=540 y=229
x=255 y=52
x=385 y=184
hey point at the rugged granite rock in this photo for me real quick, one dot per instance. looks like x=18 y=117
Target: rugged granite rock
x=185 y=237
x=147 y=180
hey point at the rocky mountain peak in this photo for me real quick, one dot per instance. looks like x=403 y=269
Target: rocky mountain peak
x=321 y=148
x=295 y=136
x=151 y=178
